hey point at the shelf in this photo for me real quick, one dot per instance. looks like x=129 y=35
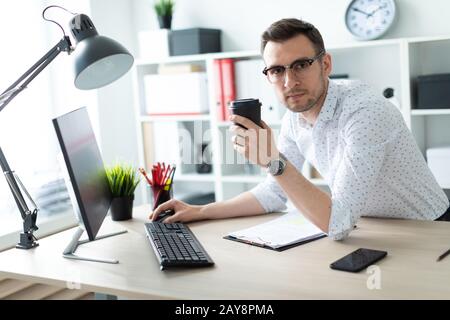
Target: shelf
x=430 y=112
x=259 y=178
x=244 y=178
x=256 y=53
x=363 y=44
x=207 y=177
x=178 y=118
x=199 y=57
x=224 y=124
x=318 y=182
x=229 y=123
x=428 y=39
x=384 y=42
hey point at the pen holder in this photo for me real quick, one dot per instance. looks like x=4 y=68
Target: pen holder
x=159 y=195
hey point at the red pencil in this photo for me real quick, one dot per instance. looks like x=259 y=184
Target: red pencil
x=142 y=171
x=166 y=175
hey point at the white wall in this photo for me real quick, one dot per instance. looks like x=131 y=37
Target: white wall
x=114 y=19
x=65 y=96
x=243 y=21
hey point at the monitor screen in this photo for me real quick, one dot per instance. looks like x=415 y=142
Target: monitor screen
x=85 y=168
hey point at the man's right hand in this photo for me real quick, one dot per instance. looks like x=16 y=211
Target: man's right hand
x=183 y=212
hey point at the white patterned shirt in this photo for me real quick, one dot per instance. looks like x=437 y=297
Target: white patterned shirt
x=362 y=147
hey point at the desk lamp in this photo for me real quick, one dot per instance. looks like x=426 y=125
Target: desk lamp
x=99 y=61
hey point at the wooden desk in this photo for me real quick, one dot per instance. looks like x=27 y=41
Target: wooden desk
x=242 y=271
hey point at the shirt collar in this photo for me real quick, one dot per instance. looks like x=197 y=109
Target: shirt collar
x=328 y=108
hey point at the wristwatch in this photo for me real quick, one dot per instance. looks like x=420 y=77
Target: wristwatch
x=276 y=167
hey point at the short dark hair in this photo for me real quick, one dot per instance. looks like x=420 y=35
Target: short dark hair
x=286 y=29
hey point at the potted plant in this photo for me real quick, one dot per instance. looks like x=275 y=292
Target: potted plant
x=164 y=11
x=123 y=180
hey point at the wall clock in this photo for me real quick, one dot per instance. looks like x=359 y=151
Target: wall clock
x=370 y=19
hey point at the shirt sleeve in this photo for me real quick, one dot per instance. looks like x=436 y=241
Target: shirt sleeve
x=368 y=135
x=269 y=194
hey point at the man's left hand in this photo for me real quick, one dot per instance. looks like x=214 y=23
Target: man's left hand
x=255 y=143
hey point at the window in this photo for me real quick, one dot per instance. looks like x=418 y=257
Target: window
x=26 y=132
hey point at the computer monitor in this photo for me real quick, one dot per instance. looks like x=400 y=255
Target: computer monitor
x=88 y=182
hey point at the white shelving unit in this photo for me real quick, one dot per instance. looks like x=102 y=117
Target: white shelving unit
x=394 y=63
x=430 y=112
x=178 y=118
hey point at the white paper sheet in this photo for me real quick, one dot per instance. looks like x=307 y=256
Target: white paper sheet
x=290 y=228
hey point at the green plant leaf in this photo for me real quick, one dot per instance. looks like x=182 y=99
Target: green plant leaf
x=123 y=179
x=164 y=7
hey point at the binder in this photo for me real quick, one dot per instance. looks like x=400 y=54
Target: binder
x=229 y=88
x=285 y=232
x=219 y=89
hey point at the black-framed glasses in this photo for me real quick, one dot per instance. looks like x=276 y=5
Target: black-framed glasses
x=299 y=67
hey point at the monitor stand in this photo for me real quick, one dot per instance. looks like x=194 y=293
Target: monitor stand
x=73 y=245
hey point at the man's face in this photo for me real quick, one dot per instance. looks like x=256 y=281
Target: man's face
x=304 y=90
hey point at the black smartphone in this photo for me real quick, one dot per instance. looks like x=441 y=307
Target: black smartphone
x=358 y=260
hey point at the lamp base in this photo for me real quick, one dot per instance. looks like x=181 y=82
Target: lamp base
x=26 y=241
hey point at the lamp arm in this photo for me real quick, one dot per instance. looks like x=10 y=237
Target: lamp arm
x=63 y=45
x=29 y=217
x=24 y=190
x=9 y=175
x=5 y=98
x=27 y=239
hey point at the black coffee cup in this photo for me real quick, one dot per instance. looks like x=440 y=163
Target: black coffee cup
x=248 y=108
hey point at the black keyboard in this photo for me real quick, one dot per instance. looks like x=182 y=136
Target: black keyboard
x=176 y=246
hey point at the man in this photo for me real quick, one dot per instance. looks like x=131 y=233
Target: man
x=356 y=139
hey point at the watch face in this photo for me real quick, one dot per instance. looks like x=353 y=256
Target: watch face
x=276 y=167
x=370 y=19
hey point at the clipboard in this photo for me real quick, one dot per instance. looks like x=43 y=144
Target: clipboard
x=279 y=249
x=284 y=232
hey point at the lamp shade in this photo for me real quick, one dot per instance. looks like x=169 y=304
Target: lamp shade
x=99 y=60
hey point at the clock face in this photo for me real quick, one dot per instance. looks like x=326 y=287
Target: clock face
x=370 y=19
